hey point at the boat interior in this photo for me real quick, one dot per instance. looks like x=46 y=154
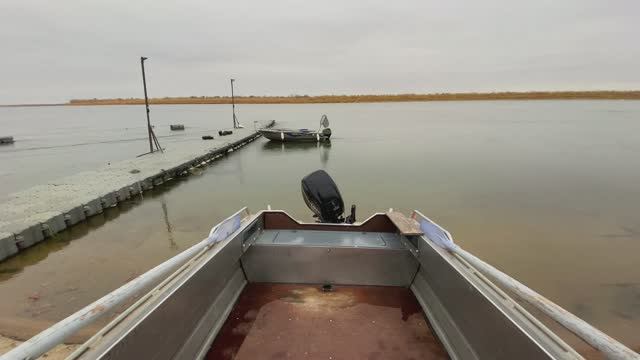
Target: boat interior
x=277 y=288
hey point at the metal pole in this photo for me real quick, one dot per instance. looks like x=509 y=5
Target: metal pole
x=155 y=141
x=146 y=102
x=233 y=105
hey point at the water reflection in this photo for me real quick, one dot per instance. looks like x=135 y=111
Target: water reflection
x=626 y=232
x=165 y=216
x=625 y=299
x=227 y=166
x=295 y=146
x=33 y=255
x=288 y=147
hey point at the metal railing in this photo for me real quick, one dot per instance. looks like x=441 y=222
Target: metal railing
x=62 y=330
x=609 y=347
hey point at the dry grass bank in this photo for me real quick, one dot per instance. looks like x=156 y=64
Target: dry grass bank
x=327 y=99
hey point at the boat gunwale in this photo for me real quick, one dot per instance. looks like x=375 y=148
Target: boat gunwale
x=504 y=303
x=500 y=300
x=152 y=299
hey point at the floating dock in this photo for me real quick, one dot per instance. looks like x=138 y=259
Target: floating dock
x=30 y=216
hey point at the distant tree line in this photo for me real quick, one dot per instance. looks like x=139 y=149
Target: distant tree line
x=302 y=99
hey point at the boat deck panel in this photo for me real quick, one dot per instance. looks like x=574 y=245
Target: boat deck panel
x=331 y=239
x=284 y=321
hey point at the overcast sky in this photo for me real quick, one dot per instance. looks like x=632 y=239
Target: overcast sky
x=53 y=51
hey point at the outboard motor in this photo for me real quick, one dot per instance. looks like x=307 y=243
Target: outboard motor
x=324 y=129
x=322 y=196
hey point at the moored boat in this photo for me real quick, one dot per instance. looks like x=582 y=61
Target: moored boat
x=299 y=135
x=265 y=285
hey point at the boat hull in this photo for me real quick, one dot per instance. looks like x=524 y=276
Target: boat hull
x=472 y=318
x=293 y=135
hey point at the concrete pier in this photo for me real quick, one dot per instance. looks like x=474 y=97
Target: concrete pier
x=30 y=216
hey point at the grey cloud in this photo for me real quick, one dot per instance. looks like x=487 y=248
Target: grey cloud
x=56 y=50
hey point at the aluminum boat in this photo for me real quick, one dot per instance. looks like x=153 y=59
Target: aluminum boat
x=299 y=135
x=266 y=286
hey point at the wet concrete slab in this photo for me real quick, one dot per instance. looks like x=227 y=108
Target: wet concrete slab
x=283 y=321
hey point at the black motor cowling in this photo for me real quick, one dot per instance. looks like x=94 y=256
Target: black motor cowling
x=322 y=196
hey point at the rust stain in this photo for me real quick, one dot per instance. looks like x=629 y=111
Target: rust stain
x=98 y=309
x=283 y=321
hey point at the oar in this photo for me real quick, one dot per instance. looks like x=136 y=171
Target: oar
x=611 y=348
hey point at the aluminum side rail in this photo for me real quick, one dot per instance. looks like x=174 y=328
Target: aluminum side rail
x=62 y=330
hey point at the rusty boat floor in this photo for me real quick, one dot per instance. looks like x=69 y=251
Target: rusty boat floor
x=283 y=321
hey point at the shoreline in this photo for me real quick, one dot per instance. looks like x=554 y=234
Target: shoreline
x=349 y=99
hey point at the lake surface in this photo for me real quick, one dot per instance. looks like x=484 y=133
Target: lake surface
x=548 y=191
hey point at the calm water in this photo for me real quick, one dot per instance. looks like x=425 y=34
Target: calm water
x=546 y=190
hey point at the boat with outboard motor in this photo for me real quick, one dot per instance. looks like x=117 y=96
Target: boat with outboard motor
x=299 y=135
x=265 y=285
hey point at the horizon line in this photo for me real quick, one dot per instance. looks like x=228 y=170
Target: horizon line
x=342 y=98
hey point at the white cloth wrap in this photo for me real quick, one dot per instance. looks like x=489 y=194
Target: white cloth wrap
x=224 y=229
x=436 y=233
